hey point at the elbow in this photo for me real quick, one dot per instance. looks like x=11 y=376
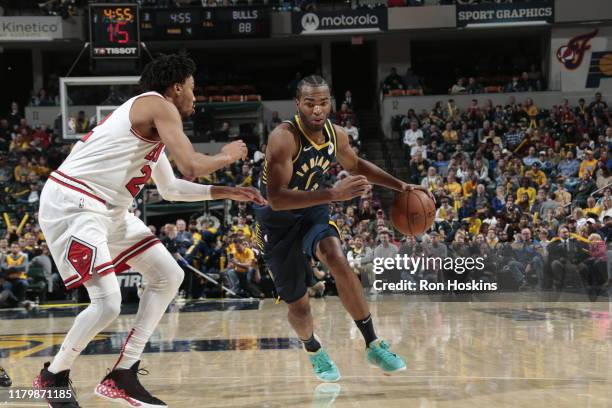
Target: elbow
x=187 y=169
x=167 y=193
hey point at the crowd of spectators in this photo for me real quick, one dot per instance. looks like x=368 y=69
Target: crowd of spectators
x=526 y=188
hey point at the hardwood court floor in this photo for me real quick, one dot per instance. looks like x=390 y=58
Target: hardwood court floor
x=489 y=354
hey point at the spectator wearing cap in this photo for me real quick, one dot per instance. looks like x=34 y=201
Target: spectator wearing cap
x=536 y=174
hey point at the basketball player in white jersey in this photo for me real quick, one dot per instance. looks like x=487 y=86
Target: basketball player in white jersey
x=92 y=235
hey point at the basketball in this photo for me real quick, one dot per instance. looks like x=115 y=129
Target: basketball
x=413 y=212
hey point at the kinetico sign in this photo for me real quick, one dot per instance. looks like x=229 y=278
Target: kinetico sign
x=488 y=15
x=340 y=21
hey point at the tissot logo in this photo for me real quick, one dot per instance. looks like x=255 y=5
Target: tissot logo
x=310 y=22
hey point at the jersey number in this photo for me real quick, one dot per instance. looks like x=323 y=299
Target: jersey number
x=136 y=183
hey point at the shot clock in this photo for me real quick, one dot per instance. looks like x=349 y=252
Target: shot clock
x=114 y=30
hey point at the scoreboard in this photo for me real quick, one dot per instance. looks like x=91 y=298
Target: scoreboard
x=114 y=31
x=204 y=23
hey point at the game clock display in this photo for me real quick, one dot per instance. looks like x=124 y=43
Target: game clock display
x=114 y=30
x=204 y=24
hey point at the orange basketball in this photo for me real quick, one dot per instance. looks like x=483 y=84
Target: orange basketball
x=413 y=212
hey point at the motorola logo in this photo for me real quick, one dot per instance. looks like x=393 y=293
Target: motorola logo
x=310 y=22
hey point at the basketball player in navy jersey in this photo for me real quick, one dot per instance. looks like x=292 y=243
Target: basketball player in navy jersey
x=296 y=223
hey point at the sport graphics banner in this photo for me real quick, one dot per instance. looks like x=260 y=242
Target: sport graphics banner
x=489 y=15
x=341 y=21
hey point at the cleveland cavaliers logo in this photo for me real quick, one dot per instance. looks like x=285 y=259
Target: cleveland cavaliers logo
x=572 y=54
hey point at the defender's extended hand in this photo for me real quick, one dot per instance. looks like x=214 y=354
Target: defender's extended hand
x=246 y=194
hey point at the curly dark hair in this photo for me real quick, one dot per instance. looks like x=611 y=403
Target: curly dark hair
x=165 y=71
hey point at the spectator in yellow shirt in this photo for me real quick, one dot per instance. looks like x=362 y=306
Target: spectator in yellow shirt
x=588 y=165
x=22 y=170
x=537 y=175
x=15 y=272
x=242 y=270
x=525 y=188
x=241 y=225
x=453 y=188
x=592 y=207
x=470 y=186
x=449 y=134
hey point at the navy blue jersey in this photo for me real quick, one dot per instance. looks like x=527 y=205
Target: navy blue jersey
x=311 y=161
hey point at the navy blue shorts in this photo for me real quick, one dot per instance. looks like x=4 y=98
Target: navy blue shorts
x=287 y=239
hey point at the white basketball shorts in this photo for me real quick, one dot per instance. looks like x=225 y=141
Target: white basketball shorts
x=87 y=235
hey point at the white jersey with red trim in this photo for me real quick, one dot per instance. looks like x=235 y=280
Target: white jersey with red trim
x=112 y=162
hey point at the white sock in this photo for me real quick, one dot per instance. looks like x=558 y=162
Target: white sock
x=164 y=277
x=97 y=316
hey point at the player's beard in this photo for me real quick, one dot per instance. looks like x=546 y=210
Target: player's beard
x=312 y=127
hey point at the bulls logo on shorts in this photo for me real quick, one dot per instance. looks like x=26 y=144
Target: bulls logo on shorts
x=81 y=256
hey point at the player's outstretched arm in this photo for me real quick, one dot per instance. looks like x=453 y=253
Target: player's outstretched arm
x=174 y=189
x=352 y=163
x=169 y=125
x=281 y=148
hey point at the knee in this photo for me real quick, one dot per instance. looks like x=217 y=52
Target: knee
x=334 y=259
x=299 y=309
x=110 y=306
x=175 y=278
